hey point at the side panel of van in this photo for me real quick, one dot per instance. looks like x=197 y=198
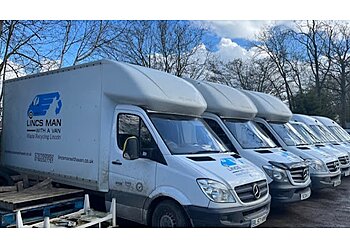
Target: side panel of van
x=51 y=126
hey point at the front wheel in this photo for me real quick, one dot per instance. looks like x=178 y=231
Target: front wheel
x=169 y=214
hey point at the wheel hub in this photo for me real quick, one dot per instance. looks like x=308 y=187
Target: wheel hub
x=167 y=221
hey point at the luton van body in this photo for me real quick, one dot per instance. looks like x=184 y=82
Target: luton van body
x=131 y=133
x=273 y=117
x=329 y=140
x=230 y=114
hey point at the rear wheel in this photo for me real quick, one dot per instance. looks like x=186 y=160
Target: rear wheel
x=169 y=214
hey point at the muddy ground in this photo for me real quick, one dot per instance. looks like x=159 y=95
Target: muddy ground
x=325 y=208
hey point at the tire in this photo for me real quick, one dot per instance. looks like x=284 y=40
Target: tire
x=169 y=214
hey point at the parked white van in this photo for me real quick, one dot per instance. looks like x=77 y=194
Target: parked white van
x=273 y=117
x=336 y=129
x=133 y=133
x=329 y=141
x=230 y=114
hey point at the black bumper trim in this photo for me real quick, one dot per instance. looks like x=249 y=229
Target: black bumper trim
x=319 y=182
x=286 y=193
x=227 y=217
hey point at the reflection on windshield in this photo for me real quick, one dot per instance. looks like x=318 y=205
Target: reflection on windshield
x=324 y=133
x=340 y=133
x=307 y=134
x=186 y=135
x=249 y=135
x=288 y=134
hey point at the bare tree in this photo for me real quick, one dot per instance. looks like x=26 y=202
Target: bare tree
x=316 y=37
x=340 y=58
x=136 y=44
x=257 y=74
x=170 y=46
x=19 y=47
x=79 y=41
x=275 y=41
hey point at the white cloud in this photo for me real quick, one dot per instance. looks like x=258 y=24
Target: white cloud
x=13 y=70
x=47 y=65
x=229 y=50
x=239 y=29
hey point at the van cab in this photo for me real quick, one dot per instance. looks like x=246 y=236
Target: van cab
x=336 y=130
x=314 y=141
x=230 y=114
x=273 y=117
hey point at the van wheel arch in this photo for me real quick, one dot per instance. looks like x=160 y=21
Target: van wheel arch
x=159 y=200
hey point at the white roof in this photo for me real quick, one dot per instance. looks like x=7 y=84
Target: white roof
x=269 y=107
x=154 y=89
x=326 y=121
x=225 y=101
x=151 y=89
x=308 y=120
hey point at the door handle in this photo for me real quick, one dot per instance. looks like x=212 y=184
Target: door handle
x=117 y=162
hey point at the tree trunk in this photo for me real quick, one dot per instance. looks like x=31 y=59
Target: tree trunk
x=343 y=112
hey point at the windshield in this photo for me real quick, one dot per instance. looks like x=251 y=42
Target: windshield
x=249 y=135
x=340 y=133
x=288 y=134
x=186 y=135
x=323 y=133
x=307 y=134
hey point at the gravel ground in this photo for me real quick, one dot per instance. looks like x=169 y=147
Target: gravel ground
x=325 y=208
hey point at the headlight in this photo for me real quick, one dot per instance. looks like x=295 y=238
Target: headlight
x=316 y=165
x=215 y=190
x=275 y=173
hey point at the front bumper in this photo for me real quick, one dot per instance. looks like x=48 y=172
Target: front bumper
x=345 y=170
x=328 y=180
x=284 y=192
x=228 y=217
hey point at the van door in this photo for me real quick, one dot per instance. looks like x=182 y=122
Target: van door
x=132 y=181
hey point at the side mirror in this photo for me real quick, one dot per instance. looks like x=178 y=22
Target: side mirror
x=131 y=148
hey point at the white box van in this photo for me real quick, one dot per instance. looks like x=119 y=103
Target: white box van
x=340 y=133
x=135 y=134
x=230 y=114
x=273 y=117
x=329 y=141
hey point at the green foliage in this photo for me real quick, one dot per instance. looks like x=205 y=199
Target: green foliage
x=310 y=104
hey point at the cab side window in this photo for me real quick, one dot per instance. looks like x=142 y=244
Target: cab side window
x=221 y=134
x=132 y=125
x=128 y=126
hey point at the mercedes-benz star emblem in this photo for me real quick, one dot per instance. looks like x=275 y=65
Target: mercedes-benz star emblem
x=305 y=173
x=256 y=191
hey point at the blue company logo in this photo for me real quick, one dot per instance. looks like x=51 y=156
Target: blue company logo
x=285 y=154
x=41 y=104
x=228 y=162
